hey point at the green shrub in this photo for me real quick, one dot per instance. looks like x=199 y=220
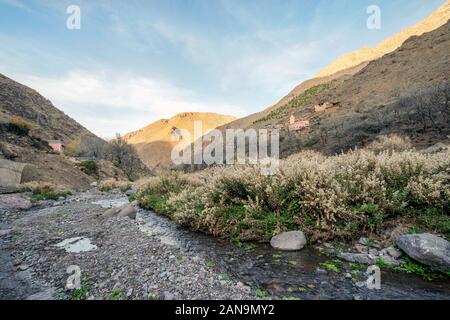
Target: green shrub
x=89 y=167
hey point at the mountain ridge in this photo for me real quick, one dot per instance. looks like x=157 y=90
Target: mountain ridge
x=437 y=19
x=155 y=141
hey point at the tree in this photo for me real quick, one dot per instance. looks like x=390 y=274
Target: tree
x=123 y=156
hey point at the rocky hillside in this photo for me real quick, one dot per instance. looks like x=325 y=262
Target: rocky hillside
x=154 y=143
x=434 y=21
x=27 y=122
x=48 y=122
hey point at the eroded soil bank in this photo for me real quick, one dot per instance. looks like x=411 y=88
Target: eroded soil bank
x=151 y=258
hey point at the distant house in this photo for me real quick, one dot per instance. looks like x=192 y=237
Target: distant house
x=323 y=107
x=296 y=125
x=57 y=145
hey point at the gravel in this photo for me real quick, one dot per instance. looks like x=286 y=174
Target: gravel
x=126 y=264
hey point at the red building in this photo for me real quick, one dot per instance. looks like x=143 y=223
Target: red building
x=57 y=145
x=295 y=125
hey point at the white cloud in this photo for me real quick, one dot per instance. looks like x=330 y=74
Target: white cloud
x=16 y=4
x=108 y=102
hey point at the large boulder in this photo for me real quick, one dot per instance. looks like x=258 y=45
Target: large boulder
x=362 y=258
x=289 y=241
x=128 y=211
x=125 y=211
x=10 y=173
x=428 y=249
x=112 y=212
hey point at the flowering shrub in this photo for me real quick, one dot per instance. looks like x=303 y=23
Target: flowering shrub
x=339 y=196
x=112 y=184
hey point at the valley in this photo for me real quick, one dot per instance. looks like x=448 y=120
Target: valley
x=355 y=205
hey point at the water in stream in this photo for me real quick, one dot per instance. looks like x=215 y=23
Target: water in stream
x=288 y=274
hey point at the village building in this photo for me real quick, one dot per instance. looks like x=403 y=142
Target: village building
x=57 y=146
x=323 y=107
x=296 y=125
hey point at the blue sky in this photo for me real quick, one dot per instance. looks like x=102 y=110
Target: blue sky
x=133 y=62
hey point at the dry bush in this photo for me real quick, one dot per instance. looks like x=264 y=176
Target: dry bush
x=19 y=126
x=45 y=190
x=340 y=196
x=391 y=142
x=113 y=184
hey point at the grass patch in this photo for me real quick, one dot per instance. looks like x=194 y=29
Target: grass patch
x=413 y=267
x=296 y=102
x=83 y=292
x=89 y=167
x=117 y=294
x=261 y=293
x=49 y=195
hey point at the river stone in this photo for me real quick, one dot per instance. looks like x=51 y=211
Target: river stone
x=127 y=211
x=289 y=241
x=111 y=212
x=428 y=249
x=393 y=252
x=363 y=258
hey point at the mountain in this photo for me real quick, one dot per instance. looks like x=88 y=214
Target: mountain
x=347 y=66
x=434 y=21
x=404 y=91
x=49 y=123
x=155 y=142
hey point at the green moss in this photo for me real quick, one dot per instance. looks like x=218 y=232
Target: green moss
x=331 y=265
x=413 y=267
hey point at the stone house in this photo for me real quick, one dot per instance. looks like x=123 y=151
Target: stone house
x=57 y=146
x=296 y=125
x=323 y=107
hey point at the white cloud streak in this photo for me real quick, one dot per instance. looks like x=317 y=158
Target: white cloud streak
x=127 y=101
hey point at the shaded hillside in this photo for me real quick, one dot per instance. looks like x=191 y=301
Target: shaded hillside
x=249 y=120
x=27 y=122
x=48 y=122
x=155 y=142
x=434 y=21
x=405 y=91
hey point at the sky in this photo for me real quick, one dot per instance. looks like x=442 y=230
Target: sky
x=133 y=62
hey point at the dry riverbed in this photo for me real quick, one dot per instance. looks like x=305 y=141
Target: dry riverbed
x=151 y=258
x=125 y=263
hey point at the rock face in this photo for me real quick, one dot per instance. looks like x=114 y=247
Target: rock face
x=289 y=241
x=10 y=173
x=428 y=249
